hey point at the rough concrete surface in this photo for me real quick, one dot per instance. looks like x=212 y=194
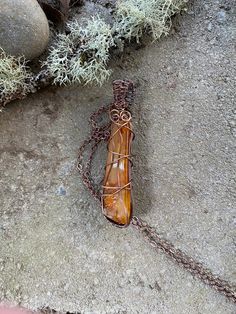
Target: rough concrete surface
x=57 y=250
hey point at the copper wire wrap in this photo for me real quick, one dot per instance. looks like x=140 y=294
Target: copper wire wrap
x=116 y=117
x=121 y=126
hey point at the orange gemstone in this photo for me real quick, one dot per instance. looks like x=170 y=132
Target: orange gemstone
x=116 y=200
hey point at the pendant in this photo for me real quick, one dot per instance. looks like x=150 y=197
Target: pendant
x=116 y=196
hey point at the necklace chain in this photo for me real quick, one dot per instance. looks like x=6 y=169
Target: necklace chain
x=195 y=268
x=100 y=134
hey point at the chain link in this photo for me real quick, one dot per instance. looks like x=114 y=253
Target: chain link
x=100 y=134
x=185 y=261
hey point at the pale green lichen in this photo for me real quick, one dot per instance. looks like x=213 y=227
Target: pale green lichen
x=14 y=75
x=82 y=55
x=133 y=17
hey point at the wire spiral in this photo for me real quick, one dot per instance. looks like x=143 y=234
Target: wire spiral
x=122 y=119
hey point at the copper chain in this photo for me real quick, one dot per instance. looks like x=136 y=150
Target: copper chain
x=123 y=97
x=98 y=134
x=195 y=268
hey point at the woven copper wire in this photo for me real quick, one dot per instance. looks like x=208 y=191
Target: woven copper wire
x=116 y=116
x=119 y=114
x=123 y=91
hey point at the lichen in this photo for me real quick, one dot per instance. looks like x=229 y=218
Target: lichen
x=133 y=17
x=82 y=55
x=14 y=75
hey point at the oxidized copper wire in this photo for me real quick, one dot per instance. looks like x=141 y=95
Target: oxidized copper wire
x=121 y=117
x=123 y=91
x=116 y=116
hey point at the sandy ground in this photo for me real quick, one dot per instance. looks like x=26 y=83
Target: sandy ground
x=57 y=250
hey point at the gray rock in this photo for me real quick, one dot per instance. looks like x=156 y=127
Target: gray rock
x=24 y=28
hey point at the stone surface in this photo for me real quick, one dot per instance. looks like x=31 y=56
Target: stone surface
x=24 y=28
x=56 y=248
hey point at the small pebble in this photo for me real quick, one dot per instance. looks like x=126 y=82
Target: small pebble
x=221 y=17
x=61 y=191
x=19 y=266
x=209 y=27
x=169 y=70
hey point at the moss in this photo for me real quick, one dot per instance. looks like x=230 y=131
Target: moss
x=14 y=75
